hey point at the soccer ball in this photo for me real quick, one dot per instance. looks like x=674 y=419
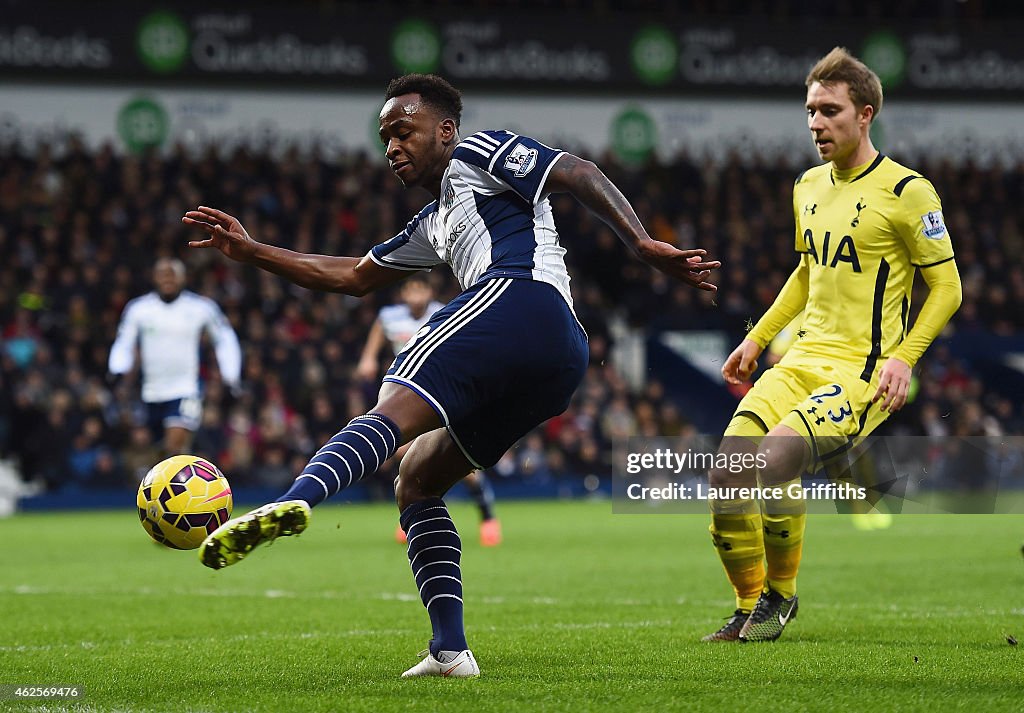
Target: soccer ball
x=182 y=500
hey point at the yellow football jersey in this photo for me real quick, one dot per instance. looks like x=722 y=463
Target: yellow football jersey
x=862 y=233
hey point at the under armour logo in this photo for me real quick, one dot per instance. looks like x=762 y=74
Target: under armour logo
x=856 y=219
x=810 y=208
x=801 y=333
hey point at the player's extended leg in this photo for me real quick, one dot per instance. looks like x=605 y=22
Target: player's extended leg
x=354 y=452
x=364 y=444
x=483 y=496
x=783 y=455
x=430 y=468
x=736 y=527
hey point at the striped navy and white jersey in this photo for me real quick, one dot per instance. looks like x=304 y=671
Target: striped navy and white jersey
x=399 y=325
x=168 y=335
x=493 y=218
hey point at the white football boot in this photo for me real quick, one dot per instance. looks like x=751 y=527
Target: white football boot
x=448 y=664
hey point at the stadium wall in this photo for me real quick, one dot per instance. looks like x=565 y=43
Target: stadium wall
x=632 y=126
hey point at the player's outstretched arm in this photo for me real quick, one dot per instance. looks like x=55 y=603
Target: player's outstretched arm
x=588 y=184
x=328 y=273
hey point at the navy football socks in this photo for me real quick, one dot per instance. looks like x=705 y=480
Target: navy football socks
x=355 y=451
x=435 y=552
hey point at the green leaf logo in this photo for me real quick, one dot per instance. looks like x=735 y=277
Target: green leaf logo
x=416 y=47
x=634 y=135
x=885 y=54
x=162 y=42
x=142 y=123
x=654 y=54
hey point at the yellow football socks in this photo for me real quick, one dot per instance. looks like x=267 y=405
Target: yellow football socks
x=736 y=526
x=784 y=524
x=736 y=531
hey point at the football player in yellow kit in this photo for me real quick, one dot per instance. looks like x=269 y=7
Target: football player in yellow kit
x=864 y=226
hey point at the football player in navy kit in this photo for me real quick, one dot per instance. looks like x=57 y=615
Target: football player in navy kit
x=502 y=357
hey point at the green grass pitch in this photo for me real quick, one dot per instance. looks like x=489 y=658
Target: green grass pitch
x=579 y=610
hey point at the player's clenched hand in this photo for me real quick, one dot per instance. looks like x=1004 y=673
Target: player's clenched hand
x=686 y=265
x=742 y=363
x=893 y=385
x=224 y=231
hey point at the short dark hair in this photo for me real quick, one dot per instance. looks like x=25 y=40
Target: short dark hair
x=435 y=90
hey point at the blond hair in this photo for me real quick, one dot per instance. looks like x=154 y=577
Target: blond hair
x=841 y=66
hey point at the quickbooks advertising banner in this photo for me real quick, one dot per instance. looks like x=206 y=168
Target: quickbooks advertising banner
x=308 y=45
x=130 y=42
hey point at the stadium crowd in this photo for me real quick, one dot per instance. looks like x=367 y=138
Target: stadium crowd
x=80 y=230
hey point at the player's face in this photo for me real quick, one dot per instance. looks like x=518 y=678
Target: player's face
x=168 y=281
x=417 y=141
x=836 y=125
x=417 y=295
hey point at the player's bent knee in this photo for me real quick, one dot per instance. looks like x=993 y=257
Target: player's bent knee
x=430 y=468
x=774 y=468
x=739 y=445
x=412 y=483
x=729 y=478
x=782 y=456
x=409 y=491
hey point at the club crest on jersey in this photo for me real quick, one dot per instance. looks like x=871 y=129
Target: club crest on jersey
x=861 y=205
x=521 y=160
x=447 y=195
x=934 y=228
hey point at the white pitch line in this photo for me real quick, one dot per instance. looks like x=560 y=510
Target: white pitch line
x=923 y=612
x=122 y=643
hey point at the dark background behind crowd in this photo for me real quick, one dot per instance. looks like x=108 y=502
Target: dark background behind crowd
x=80 y=231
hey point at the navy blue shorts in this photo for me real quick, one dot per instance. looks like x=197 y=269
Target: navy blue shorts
x=184 y=413
x=497 y=361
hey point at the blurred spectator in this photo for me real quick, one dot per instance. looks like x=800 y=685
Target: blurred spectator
x=79 y=230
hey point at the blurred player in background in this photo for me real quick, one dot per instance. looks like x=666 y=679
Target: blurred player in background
x=501 y=358
x=167 y=325
x=864 y=226
x=396 y=325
